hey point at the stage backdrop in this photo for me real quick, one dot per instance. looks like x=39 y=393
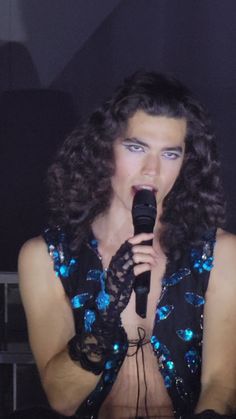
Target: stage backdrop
x=60 y=59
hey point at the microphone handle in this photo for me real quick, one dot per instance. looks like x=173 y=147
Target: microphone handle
x=142 y=288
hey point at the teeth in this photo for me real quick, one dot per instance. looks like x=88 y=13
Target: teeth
x=145 y=187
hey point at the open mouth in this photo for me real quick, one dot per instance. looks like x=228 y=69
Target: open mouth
x=137 y=188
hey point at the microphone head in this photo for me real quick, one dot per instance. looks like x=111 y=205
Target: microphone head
x=144 y=211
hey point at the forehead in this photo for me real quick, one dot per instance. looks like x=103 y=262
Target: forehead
x=151 y=127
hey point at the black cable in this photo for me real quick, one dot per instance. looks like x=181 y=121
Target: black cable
x=139 y=343
x=145 y=382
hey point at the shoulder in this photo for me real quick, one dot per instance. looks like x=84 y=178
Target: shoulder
x=225 y=251
x=225 y=241
x=33 y=252
x=223 y=274
x=35 y=266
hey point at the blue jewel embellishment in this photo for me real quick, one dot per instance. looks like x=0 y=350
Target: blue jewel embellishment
x=166 y=365
x=79 y=300
x=203 y=260
x=176 y=277
x=170 y=365
x=159 y=347
x=93 y=275
x=194 y=299
x=163 y=312
x=64 y=271
x=102 y=300
x=94 y=243
x=167 y=381
x=192 y=359
x=116 y=347
x=201 y=265
x=185 y=334
x=109 y=365
x=89 y=319
x=155 y=343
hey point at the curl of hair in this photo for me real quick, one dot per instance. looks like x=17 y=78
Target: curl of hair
x=80 y=178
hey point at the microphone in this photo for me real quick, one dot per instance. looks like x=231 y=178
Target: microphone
x=144 y=216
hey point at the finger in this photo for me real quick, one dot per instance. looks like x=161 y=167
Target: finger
x=145 y=249
x=141 y=237
x=139 y=269
x=144 y=258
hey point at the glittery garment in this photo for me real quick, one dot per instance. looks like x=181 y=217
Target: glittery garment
x=177 y=332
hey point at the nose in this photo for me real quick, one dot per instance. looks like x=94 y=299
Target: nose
x=151 y=165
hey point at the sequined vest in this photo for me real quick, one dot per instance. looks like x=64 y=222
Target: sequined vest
x=178 y=326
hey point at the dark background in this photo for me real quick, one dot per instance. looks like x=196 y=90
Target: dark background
x=61 y=58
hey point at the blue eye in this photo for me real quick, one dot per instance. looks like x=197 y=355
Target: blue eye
x=171 y=155
x=134 y=148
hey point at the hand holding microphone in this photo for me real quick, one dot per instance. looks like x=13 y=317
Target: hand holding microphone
x=144 y=216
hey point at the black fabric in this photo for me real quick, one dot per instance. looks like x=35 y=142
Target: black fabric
x=211 y=414
x=37 y=413
x=190 y=276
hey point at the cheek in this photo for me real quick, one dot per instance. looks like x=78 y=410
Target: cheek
x=172 y=174
x=125 y=168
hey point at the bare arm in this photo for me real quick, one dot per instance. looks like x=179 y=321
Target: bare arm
x=219 y=339
x=50 y=326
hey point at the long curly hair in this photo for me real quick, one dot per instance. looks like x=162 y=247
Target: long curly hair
x=80 y=178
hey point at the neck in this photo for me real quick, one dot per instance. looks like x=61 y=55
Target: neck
x=111 y=227
x=116 y=226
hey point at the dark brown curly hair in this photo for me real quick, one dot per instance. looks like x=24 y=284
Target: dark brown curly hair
x=80 y=178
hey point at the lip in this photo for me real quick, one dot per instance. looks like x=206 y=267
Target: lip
x=144 y=186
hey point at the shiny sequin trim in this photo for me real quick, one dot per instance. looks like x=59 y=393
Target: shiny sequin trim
x=163 y=312
x=186 y=334
x=176 y=277
x=194 y=299
x=89 y=319
x=192 y=359
x=203 y=260
x=79 y=300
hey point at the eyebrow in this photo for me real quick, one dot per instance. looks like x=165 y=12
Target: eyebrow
x=143 y=143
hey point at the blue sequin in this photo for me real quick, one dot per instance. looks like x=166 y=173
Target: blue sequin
x=94 y=243
x=116 y=347
x=109 y=365
x=194 y=299
x=203 y=260
x=192 y=359
x=166 y=365
x=155 y=343
x=170 y=365
x=185 y=334
x=64 y=271
x=55 y=253
x=62 y=268
x=89 y=319
x=158 y=346
x=163 y=312
x=167 y=381
x=109 y=377
x=102 y=300
x=79 y=300
x=94 y=275
x=176 y=277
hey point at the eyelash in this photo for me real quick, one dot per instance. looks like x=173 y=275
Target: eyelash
x=134 y=148
x=171 y=155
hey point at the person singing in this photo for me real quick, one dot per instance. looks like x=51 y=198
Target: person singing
x=97 y=358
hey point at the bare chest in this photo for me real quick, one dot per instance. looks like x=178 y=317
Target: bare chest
x=136 y=376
